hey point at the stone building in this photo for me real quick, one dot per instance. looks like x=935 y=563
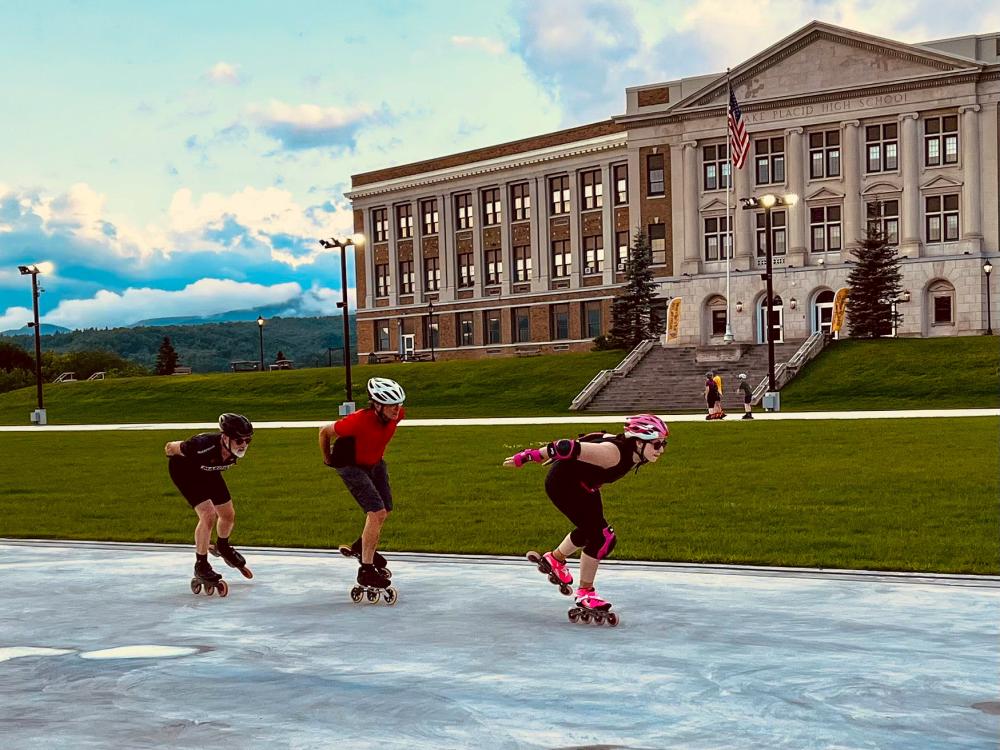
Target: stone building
x=520 y=247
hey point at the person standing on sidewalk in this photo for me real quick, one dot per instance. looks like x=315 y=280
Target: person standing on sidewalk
x=747 y=397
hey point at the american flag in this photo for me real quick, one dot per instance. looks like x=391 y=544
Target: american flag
x=739 y=141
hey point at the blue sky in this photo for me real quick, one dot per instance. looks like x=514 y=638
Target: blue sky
x=184 y=158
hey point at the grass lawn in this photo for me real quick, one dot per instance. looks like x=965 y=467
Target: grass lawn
x=916 y=495
x=506 y=387
x=940 y=373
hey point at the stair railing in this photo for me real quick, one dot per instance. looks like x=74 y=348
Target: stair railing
x=785 y=371
x=604 y=377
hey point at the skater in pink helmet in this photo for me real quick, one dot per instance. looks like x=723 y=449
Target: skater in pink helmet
x=579 y=469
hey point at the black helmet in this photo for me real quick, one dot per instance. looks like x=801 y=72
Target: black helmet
x=235 y=426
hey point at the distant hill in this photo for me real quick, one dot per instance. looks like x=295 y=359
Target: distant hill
x=210 y=347
x=230 y=316
x=46 y=329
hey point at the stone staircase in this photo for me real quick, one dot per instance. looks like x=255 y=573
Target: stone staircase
x=673 y=379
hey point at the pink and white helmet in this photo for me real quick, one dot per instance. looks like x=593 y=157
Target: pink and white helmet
x=646 y=427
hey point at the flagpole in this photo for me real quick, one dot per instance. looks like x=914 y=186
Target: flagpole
x=727 y=248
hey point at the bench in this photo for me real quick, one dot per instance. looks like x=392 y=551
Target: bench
x=181 y=371
x=282 y=364
x=381 y=358
x=418 y=357
x=533 y=352
x=244 y=365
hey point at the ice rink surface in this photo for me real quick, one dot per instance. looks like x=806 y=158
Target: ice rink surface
x=104 y=646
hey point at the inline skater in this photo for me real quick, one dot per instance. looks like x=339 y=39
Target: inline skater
x=196 y=467
x=355 y=447
x=579 y=469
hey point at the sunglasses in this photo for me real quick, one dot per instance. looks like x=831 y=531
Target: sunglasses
x=658 y=444
x=240 y=441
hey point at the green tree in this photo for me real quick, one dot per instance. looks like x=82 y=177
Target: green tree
x=13 y=357
x=875 y=283
x=635 y=315
x=166 y=358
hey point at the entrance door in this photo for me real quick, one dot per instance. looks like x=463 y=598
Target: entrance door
x=408 y=345
x=777 y=321
x=823 y=313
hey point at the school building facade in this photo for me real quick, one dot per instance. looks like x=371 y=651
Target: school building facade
x=519 y=248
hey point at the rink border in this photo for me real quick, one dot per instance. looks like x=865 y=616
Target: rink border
x=842 y=574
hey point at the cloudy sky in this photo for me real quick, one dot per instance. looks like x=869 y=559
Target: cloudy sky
x=183 y=158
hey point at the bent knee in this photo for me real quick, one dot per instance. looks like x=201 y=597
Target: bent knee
x=378 y=515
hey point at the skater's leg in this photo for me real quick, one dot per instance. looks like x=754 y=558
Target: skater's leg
x=203 y=531
x=588 y=571
x=567 y=548
x=370 y=536
x=227 y=519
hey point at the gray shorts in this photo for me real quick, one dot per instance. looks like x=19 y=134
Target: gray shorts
x=369 y=485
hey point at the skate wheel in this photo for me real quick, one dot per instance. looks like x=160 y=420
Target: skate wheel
x=598 y=619
x=391 y=596
x=612 y=619
x=214 y=550
x=357 y=594
x=573 y=615
x=346 y=551
x=195 y=586
x=554 y=579
x=247 y=573
x=223 y=588
x=585 y=618
x=372 y=595
x=565 y=589
x=209 y=589
x=387 y=573
x=533 y=557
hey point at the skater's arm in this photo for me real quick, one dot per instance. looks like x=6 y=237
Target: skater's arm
x=604 y=455
x=326 y=435
x=173 y=448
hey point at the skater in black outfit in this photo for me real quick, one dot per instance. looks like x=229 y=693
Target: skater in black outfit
x=196 y=467
x=747 y=397
x=573 y=484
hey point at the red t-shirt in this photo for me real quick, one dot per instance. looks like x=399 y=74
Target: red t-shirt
x=371 y=435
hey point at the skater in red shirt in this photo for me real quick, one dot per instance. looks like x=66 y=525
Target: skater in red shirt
x=579 y=468
x=358 y=443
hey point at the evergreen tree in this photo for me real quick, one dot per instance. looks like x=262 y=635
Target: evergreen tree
x=635 y=315
x=875 y=283
x=166 y=358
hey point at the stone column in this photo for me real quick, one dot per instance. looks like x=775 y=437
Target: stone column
x=852 y=187
x=608 y=225
x=743 y=221
x=796 y=215
x=575 y=243
x=909 y=241
x=418 y=253
x=692 y=213
x=971 y=209
x=478 y=262
x=446 y=248
x=676 y=207
x=506 y=246
x=539 y=234
x=369 y=259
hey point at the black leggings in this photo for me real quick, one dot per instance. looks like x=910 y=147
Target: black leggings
x=583 y=508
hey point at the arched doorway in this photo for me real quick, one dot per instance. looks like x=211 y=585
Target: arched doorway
x=822 y=312
x=777 y=319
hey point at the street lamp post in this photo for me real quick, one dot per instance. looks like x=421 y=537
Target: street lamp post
x=260 y=327
x=430 y=326
x=33 y=271
x=356 y=241
x=987 y=269
x=767 y=202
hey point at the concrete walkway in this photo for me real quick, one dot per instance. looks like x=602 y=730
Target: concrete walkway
x=104 y=646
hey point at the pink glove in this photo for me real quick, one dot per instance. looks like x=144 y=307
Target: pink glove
x=529 y=454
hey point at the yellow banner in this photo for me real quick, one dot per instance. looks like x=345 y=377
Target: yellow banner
x=673 y=318
x=839 y=309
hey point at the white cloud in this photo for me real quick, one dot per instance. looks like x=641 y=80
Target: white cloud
x=300 y=126
x=16 y=317
x=484 y=43
x=225 y=73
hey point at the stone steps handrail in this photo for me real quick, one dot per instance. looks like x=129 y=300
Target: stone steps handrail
x=785 y=371
x=602 y=378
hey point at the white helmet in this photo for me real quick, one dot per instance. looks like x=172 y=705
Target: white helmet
x=385 y=391
x=743 y=376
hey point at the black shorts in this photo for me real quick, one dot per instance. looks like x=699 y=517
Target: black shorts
x=712 y=399
x=199 y=486
x=369 y=485
x=583 y=507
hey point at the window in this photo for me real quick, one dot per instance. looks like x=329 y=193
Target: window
x=494 y=267
x=559 y=192
x=593 y=254
x=406 y=277
x=522 y=262
x=522 y=325
x=466 y=336
x=381 y=279
x=658 y=243
x=621 y=243
x=491 y=326
x=562 y=263
x=824 y=154
x=824 y=224
x=883 y=217
x=429 y=212
x=520 y=200
x=560 y=322
x=404 y=221
x=491 y=207
x=942 y=310
x=619 y=173
x=770 y=160
x=654 y=174
x=466 y=270
x=883 y=147
x=715 y=166
x=941 y=217
x=941 y=140
x=432 y=275
x=382 y=342
x=592 y=316
x=380 y=224
x=592 y=189
x=718 y=238
x=463 y=211
x=777 y=234
x=719 y=322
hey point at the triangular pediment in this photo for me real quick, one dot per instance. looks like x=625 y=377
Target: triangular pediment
x=941 y=183
x=823 y=59
x=717 y=205
x=825 y=193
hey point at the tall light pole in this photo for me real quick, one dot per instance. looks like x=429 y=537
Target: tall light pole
x=430 y=327
x=987 y=269
x=767 y=202
x=33 y=271
x=357 y=240
x=260 y=328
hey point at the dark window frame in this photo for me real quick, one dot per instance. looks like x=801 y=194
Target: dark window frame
x=655 y=175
